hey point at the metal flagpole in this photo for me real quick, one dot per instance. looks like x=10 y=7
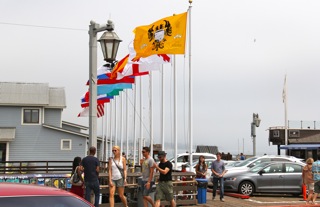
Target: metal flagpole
x=162 y=109
x=111 y=131
x=127 y=125
x=151 y=115
x=134 y=126
x=121 y=121
x=284 y=95
x=141 y=121
x=115 y=122
x=190 y=87
x=104 y=137
x=175 y=112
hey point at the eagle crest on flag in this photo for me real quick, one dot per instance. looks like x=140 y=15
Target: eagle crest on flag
x=165 y=36
x=158 y=33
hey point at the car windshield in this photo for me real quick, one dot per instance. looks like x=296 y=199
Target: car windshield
x=258 y=167
x=245 y=162
x=41 y=201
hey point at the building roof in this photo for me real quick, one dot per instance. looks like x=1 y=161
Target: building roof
x=75 y=125
x=31 y=94
x=68 y=131
x=207 y=148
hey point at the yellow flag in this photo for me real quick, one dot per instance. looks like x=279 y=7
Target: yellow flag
x=165 y=36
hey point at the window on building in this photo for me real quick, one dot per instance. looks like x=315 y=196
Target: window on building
x=294 y=133
x=276 y=133
x=31 y=116
x=66 y=144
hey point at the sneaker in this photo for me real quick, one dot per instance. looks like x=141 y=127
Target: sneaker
x=222 y=200
x=213 y=197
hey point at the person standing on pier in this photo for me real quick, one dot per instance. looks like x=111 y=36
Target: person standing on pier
x=91 y=167
x=147 y=176
x=316 y=178
x=242 y=157
x=307 y=179
x=164 y=188
x=218 y=171
x=77 y=168
x=201 y=167
x=117 y=170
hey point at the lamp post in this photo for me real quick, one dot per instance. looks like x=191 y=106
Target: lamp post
x=255 y=123
x=109 y=43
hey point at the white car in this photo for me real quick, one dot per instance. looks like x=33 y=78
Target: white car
x=247 y=164
x=183 y=159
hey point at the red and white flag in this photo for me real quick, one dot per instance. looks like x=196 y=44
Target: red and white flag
x=85 y=111
x=131 y=66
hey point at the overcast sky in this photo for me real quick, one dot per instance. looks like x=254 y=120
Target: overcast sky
x=241 y=51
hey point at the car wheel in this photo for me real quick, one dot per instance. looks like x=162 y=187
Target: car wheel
x=246 y=188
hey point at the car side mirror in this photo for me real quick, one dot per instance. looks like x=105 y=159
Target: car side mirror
x=261 y=172
x=251 y=166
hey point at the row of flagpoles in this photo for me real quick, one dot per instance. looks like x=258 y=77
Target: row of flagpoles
x=152 y=47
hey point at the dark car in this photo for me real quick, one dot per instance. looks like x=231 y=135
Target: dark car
x=267 y=177
x=30 y=195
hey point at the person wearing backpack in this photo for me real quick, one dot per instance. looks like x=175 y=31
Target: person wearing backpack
x=76 y=178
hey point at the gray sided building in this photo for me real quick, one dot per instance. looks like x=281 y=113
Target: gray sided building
x=31 y=126
x=301 y=142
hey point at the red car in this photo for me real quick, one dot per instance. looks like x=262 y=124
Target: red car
x=30 y=195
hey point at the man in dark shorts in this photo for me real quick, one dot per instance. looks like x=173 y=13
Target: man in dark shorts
x=147 y=176
x=164 y=188
x=91 y=167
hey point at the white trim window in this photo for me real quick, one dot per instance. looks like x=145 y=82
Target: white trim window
x=276 y=133
x=66 y=144
x=31 y=115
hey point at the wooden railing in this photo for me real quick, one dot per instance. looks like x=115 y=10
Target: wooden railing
x=25 y=167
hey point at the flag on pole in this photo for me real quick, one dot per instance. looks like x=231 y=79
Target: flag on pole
x=117 y=72
x=284 y=91
x=165 y=36
x=104 y=77
x=85 y=111
x=119 y=66
x=139 y=66
x=105 y=89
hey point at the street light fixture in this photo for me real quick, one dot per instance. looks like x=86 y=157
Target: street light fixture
x=255 y=123
x=109 y=43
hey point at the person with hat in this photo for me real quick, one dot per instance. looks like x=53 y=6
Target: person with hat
x=164 y=189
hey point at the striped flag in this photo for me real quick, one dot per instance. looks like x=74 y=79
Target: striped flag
x=85 y=111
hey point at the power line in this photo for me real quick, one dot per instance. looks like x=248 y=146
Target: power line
x=40 y=26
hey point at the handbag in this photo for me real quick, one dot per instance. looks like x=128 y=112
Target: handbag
x=120 y=170
x=75 y=178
